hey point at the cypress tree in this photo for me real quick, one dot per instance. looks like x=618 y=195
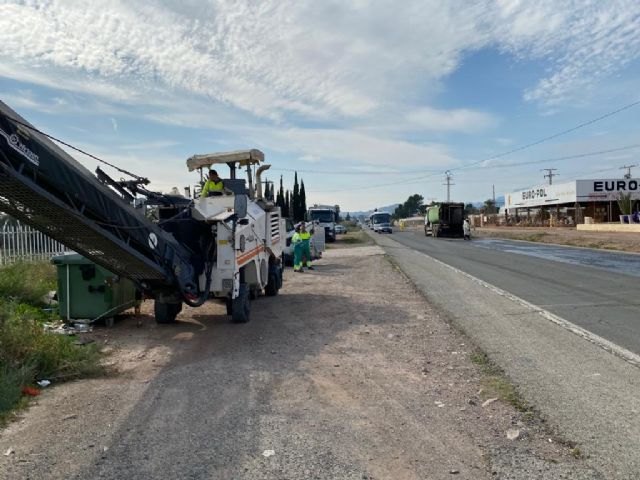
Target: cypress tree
x=303 y=199
x=295 y=199
x=287 y=205
x=280 y=200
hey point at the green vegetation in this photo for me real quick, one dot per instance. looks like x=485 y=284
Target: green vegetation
x=495 y=383
x=534 y=237
x=411 y=207
x=27 y=352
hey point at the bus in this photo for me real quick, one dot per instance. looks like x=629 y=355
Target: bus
x=381 y=222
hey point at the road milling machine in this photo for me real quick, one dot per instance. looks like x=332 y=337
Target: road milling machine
x=227 y=246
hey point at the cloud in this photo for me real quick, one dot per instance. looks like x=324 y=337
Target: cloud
x=316 y=60
x=460 y=120
x=114 y=124
x=583 y=43
x=343 y=145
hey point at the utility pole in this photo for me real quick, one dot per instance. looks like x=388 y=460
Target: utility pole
x=448 y=179
x=550 y=174
x=493 y=188
x=628 y=168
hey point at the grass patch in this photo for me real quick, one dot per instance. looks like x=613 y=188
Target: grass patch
x=355 y=237
x=534 y=237
x=27 y=282
x=27 y=352
x=495 y=383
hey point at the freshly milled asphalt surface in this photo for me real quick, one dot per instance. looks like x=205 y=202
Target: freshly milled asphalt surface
x=596 y=290
x=585 y=392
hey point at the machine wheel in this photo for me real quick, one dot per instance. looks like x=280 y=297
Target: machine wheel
x=166 y=312
x=275 y=282
x=241 y=305
x=254 y=293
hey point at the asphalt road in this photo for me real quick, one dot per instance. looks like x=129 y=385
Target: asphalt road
x=596 y=290
x=584 y=391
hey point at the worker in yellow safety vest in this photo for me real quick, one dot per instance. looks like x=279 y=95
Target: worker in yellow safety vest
x=213 y=184
x=306 y=246
x=297 y=241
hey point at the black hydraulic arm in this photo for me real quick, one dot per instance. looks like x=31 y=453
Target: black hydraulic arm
x=46 y=188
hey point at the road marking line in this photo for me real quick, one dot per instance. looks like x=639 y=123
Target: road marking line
x=603 y=343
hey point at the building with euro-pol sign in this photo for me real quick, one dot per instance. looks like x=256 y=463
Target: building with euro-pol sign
x=579 y=201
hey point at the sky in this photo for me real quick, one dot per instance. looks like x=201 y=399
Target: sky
x=370 y=101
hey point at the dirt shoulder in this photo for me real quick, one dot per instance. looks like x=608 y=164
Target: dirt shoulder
x=626 y=242
x=349 y=374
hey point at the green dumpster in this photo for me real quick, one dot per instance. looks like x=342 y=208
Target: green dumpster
x=87 y=291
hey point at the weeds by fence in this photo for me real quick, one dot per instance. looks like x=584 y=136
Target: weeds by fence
x=21 y=243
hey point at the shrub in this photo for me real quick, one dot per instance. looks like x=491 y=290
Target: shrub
x=27 y=352
x=27 y=282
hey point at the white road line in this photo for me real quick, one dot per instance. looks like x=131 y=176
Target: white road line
x=603 y=343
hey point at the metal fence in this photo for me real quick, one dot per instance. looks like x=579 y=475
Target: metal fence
x=22 y=243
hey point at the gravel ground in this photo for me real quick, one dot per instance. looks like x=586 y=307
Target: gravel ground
x=348 y=374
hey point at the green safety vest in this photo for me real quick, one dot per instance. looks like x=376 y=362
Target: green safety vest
x=297 y=238
x=211 y=186
x=305 y=235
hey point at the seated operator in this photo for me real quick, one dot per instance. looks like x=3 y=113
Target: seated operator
x=213 y=185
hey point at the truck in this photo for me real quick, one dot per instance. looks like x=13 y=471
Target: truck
x=381 y=222
x=226 y=247
x=444 y=220
x=324 y=216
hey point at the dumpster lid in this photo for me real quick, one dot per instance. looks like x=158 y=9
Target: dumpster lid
x=70 y=258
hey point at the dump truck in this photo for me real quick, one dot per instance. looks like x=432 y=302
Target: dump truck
x=227 y=246
x=444 y=220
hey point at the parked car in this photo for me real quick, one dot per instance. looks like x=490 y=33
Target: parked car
x=340 y=229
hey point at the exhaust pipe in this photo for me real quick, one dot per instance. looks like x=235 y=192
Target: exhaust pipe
x=261 y=169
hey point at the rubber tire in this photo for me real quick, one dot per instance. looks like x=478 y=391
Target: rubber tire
x=166 y=313
x=271 y=289
x=241 y=305
x=254 y=293
x=228 y=304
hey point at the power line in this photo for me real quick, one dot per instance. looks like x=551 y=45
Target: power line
x=551 y=137
x=448 y=184
x=628 y=168
x=420 y=179
x=550 y=174
x=509 y=152
x=31 y=127
x=559 y=159
x=352 y=172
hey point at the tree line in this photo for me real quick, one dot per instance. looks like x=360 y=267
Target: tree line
x=414 y=206
x=292 y=203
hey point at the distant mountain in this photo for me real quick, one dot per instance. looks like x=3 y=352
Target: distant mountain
x=499 y=202
x=387 y=208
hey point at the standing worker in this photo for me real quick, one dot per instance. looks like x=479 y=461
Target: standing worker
x=297 y=241
x=306 y=246
x=213 y=184
x=466 y=229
